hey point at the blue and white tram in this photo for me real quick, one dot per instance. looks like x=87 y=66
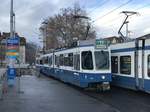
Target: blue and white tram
x=131 y=64
x=83 y=66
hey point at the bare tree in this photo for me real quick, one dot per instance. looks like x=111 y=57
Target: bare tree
x=31 y=49
x=63 y=27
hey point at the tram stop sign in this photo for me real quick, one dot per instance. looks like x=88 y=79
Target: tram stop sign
x=12 y=54
x=12 y=47
x=101 y=44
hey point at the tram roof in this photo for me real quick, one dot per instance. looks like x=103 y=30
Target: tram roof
x=80 y=46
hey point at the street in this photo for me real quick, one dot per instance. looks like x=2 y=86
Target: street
x=46 y=94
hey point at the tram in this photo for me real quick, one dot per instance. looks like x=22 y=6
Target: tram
x=86 y=65
x=130 y=63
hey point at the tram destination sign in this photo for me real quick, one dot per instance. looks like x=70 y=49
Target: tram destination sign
x=101 y=44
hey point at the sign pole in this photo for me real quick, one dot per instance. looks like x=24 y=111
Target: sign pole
x=11 y=19
x=12 y=46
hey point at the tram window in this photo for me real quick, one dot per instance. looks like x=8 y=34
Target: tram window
x=37 y=61
x=87 y=60
x=125 y=65
x=61 y=60
x=66 y=60
x=50 y=61
x=70 y=55
x=148 y=66
x=101 y=59
x=41 y=62
x=57 y=61
x=77 y=62
x=46 y=60
x=114 y=64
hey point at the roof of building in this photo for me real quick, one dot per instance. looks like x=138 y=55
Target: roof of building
x=147 y=36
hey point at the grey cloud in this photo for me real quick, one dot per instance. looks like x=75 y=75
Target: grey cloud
x=30 y=15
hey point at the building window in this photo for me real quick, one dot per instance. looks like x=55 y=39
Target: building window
x=125 y=65
x=76 y=62
x=148 y=66
x=114 y=64
x=87 y=60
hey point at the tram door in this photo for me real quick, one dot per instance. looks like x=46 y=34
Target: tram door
x=140 y=65
x=76 y=63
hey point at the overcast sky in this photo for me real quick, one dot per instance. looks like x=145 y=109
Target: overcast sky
x=30 y=13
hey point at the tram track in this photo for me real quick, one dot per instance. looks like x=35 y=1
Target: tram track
x=120 y=99
x=126 y=101
x=101 y=100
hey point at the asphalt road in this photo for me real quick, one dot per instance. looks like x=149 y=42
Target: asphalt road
x=46 y=94
x=123 y=100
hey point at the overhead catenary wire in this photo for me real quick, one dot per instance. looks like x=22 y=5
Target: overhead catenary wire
x=113 y=19
x=143 y=6
x=116 y=18
x=100 y=5
x=113 y=10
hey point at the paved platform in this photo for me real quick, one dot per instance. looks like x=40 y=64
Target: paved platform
x=48 y=95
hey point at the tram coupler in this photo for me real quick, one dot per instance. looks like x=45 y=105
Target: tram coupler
x=99 y=87
x=104 y=86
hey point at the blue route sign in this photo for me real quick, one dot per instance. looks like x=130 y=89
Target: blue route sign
x=13 y=41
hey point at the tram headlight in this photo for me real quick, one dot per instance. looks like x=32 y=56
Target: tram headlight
x=103 y=77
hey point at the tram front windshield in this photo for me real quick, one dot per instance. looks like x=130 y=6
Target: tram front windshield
x=101 y=59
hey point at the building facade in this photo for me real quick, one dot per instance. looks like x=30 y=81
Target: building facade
x=113 y=39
